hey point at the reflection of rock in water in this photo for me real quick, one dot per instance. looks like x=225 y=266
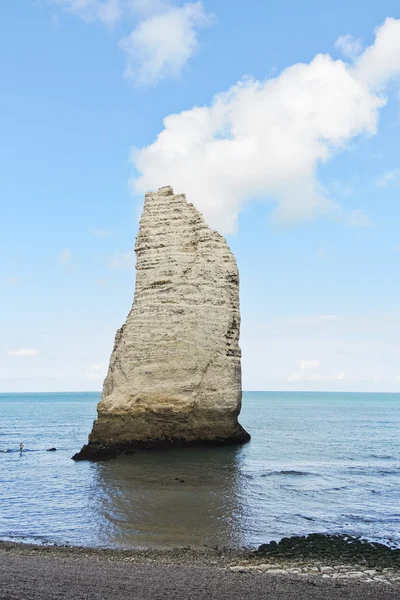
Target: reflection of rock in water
x=172 y=498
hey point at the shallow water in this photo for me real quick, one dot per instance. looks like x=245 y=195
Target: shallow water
x=316 y=463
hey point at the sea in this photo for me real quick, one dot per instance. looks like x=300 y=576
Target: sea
x=317 y=462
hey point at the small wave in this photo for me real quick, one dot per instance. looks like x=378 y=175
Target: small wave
x=304 y=517
x=285 y=472
x=383 y=456
x=368 y=470
x=360 y=518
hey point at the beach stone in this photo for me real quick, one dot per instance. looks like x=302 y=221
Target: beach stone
x=277 y=572
x=174 y=376
x=381 y=579
x=265 y=567
x=238 y=569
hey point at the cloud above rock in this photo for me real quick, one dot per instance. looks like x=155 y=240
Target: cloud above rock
x=266 y=139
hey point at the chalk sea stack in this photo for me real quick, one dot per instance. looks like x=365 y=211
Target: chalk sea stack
x=174 y=376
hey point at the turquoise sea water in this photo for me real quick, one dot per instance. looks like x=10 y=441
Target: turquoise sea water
x=317 y=462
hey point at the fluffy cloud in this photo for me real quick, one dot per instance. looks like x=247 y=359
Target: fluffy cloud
x=23 y=352
x=266 y=139
x=381 y=62
x=389 y=178
x=161 y=45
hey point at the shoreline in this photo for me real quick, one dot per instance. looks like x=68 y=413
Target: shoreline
x=32 y=572
x=318 y=557
x=28 y=572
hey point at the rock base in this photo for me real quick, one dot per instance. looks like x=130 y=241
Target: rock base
x=95 y=452
x=99 y=452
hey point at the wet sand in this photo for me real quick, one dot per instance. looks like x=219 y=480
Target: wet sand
x=34 y=572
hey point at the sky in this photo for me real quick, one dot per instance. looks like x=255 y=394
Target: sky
x=281 y=123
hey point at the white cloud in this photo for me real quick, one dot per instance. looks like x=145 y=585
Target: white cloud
x=359 y=218
x=309 y=364
x=349 y=46
x=398 y=378
x=106 y=11
x=161 y=45
x=123 y=260
x=99 y=233
x=303 y=375
x=164 y=38
x=266 y=139
x=65 y=256
x=23 y=352
x=97 y=371
x=381 y=62
x=389 y=178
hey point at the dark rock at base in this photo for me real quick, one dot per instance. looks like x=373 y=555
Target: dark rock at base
x=94 y=452
x=51 y=449
x=335 y=549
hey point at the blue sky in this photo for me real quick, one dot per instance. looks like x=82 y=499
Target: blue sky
x=285 y=135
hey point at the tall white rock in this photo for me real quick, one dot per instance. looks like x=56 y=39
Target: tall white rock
x=175 y=374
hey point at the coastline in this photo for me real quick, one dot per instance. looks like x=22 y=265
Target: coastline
x=29 y=572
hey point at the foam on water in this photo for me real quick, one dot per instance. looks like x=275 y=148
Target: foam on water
x=316 y=463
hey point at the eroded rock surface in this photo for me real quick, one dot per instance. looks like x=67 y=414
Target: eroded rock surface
x=175 y=374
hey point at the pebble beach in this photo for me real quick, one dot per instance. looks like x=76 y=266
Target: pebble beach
x=29 y=572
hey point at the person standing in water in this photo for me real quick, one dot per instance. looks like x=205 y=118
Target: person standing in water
x=21 y=447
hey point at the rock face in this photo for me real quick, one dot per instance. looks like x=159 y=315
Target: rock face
x=175 y=374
